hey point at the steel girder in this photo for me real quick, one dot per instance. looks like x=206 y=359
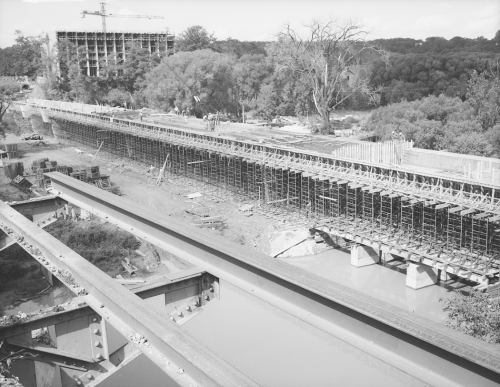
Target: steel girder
x=329 y=306
x=185 y=361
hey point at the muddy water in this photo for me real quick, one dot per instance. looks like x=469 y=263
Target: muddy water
x=280 y=350
x=377 y=281
x=56 y=296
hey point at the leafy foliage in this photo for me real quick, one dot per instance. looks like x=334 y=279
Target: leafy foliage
x=179 y=78
x=414 y=76
x=476 y=314
x=448 y=123
x=8 y=88
x=101 y=245
x=23 y=58
x=195 y=38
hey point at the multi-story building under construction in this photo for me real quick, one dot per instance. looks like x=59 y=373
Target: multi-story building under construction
x=99 y=45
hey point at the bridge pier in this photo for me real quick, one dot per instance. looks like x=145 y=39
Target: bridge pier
x=419 y=276
x=387 y=257
x=364 y=255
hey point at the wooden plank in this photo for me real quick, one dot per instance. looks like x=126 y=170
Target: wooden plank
x=482 y=215
x=207 y=225
x=453 y=210
x=467 y=212
x=217 y=218
x=327 y=198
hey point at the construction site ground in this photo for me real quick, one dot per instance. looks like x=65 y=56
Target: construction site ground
x=259 y=232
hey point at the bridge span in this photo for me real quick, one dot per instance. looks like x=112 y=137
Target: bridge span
x=439 y=223
x=108 y=328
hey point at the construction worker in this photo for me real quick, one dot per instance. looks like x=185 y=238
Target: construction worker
x=176 y=110
x=140 y=116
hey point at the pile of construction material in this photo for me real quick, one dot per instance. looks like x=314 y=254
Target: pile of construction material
x=87 y=174
x=31 y=136
x=21 y=183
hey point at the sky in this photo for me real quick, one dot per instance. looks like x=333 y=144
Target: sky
x=257 y=20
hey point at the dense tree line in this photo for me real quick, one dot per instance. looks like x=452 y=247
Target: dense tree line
x=413 y=76
x=470 y=126
x=284 y=77
x=440 y=45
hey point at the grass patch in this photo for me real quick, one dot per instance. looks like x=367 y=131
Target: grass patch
x=15 y=263
x=103 y=245
x=9 y=193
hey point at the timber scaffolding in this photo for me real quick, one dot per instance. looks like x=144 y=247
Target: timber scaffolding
x=450 y=223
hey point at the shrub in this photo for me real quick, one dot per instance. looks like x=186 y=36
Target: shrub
x=476 y=314
x=102 y=245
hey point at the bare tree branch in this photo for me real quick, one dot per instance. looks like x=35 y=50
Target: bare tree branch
x=332 y=57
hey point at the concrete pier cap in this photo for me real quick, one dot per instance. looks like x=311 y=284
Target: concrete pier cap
x=364 y=255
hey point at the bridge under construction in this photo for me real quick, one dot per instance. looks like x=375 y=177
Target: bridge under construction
x=449 y=223
x=438 y=223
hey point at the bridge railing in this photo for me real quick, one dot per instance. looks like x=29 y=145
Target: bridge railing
x=388 y=152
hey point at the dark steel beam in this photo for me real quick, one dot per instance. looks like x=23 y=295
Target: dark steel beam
x=329 y=306
x=182 y=357
x=77 y=308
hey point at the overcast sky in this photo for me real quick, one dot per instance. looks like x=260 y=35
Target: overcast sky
x=257 y=19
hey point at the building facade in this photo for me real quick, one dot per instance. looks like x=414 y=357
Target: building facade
x=98 y=45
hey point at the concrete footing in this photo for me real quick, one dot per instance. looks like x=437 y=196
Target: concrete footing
x=364 y=256
x=419 y=276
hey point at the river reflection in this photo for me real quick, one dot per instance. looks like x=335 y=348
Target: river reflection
x=377 y=281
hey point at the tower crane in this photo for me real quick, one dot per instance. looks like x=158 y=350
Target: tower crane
x=104 y=15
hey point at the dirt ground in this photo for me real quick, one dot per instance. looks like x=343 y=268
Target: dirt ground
x=169 y=199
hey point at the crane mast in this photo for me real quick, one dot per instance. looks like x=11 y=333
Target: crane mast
x=103 y=15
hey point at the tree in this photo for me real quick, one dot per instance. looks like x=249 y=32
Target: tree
x=27 y=55
x=483 y=94
x=331 y=59
x=83 y=88
x=249 y=73
x=129 y=75
x=195 y=38
x=179 y=78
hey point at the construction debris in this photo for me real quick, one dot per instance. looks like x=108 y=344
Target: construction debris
x=129 y=268
x=194 y=195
